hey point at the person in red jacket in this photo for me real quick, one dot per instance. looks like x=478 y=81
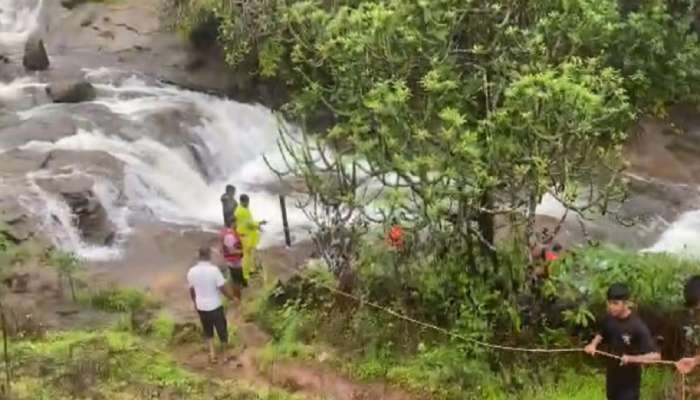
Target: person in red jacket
x=551 y=255
x=395 y=236
x=232 y=251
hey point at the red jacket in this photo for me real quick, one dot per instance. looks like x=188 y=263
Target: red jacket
x=231 y=247
x=550 y=256
x=395 y=237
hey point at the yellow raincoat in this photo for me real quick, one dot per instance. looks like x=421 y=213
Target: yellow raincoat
x=249 y=230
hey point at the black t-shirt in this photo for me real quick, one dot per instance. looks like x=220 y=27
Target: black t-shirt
x=628 y=336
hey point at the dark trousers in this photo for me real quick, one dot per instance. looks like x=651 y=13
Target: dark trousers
x=214 y=319
x=623 y=386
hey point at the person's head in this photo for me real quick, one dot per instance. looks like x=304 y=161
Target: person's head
x=692 y=292
x=618 y=297
x=204 y=253
x=245 y=200
x=230 y=189
x=556 y=247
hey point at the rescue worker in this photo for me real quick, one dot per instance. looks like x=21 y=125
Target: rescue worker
x=229 y=204
x=249 y=231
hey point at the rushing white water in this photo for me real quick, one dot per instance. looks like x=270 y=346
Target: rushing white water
x=165 y=181
x=18 y=20
x=56 y=217
x=174 y=172
x=682 y=237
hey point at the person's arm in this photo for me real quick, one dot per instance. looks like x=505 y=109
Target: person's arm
x=687 y=364
x=193 y=296
x=224 y=288
x=647 y=347
x=592 y=347
x=647 y=358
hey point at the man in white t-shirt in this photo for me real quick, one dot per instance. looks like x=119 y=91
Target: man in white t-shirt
x=207 y=284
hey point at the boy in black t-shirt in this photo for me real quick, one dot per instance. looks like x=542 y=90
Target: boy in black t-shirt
x=692 y=301
x=627 y=336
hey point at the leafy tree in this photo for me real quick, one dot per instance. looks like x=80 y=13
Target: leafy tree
x=462 y=110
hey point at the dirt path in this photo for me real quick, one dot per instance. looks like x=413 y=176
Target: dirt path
x=157 y=260
x=307 y=378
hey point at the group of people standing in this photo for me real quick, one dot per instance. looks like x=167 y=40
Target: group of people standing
x=239 y=239
x=240 y=236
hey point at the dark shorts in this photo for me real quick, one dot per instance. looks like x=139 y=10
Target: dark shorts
x=214 y=319
x=237 y=277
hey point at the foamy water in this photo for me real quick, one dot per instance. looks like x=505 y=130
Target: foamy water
x=682 y=237
x=18 y=20
x=164 y=181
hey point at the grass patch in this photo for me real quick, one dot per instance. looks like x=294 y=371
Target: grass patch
x=112 y=365
x=119 y=300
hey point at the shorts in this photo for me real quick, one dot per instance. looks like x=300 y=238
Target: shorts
x=214 y=319
x=236 y=271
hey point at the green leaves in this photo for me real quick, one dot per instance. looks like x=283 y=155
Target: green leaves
x=466 y=100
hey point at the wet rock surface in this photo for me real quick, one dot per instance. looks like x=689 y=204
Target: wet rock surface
x=35 y=56
x=71 y=91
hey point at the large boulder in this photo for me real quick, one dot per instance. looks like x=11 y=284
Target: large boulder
x=91 y=217
x=15 y=224
x=70 y=4
x=35 y=57
x=49 y=128
x=71 y=91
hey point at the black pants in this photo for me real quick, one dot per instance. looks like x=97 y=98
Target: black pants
x=623 y=386
x=214 y=319
x=228 y=219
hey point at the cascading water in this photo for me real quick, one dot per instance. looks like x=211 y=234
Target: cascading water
x=18 y=19
x=682 y=237
x=178 y=148
x=166 y=181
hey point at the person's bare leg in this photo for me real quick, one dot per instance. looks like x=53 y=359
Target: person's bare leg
x=236 y=291
x=212 y=353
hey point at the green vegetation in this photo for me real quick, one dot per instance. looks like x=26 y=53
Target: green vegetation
x=462 y=110
x=124 y=300
x=307 y=320
x=454 y=117
x=656 y=280
x=67 y=266
x=113 y=365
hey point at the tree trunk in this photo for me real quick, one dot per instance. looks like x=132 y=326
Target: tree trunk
x=487 y=228
x=5 y=352
x=59 y=286
x=72 y=288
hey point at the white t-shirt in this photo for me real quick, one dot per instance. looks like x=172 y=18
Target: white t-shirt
x=206 y=279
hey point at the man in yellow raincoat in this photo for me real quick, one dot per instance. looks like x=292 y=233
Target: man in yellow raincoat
x=249 y=231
